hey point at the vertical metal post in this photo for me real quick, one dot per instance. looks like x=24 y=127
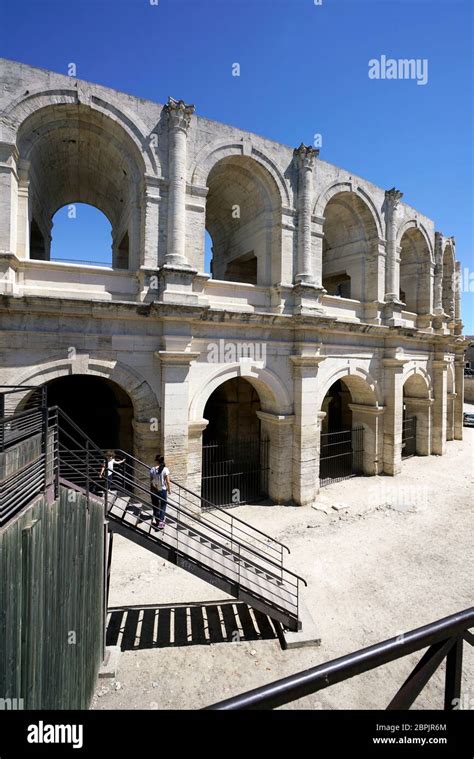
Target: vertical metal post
x=2 y=425
x=452 y=689
x=87 y=470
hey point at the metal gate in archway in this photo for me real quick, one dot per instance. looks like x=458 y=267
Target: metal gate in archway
x=235 y=472
x=409 y=436
x=341 y=455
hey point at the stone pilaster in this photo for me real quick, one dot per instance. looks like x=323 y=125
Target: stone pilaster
x=459 y=400
x=440 y=391
x=393 y=417
x=175 y=367
x=371 y=417
x=194 y=474
x=179 y=119
x=306 y=428
x=8 y=197
x=278 y=428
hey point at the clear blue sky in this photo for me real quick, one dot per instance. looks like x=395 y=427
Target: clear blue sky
x=304 y=70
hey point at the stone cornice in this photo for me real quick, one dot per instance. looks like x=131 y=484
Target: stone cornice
x=364 y=409
x=178 y=358
x=409 y=401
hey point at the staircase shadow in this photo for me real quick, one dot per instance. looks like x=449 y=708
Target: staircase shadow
x=162 y=626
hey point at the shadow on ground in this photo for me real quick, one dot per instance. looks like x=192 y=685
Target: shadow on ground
x=140 y=627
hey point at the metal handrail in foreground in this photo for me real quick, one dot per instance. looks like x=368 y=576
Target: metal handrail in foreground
x=445 y=641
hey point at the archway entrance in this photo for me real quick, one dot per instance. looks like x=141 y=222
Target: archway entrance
x=98 y=406
x=416 y=426
x=342 y=441
x=235 y=454
x=351 y=431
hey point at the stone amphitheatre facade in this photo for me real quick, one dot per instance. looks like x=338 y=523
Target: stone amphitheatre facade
x=332 y=305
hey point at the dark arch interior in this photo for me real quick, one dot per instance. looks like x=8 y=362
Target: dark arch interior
x=235 y=458
x=98 y=406
x=231 y=412
x=336 y=405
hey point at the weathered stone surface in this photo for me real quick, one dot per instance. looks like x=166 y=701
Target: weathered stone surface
x=321 y=274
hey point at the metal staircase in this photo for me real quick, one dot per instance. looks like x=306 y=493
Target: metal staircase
x=198 y=537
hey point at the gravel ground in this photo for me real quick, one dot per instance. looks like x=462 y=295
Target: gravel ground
x=395 y=554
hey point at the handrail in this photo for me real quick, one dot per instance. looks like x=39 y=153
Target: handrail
x=215 y=530
x=317 y=678
x=248 y=584
x=214 y=507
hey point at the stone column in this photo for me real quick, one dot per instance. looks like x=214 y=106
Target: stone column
x=179 y=119
x=306 y=428
x=450 y=416
x=175 y=366
x=305 y=156
x=392 y=268
x=422 y=409
x=278 y=428
x=440 y=392
x=438 y=275
x=8 y=197
x=458 y=325
x=371 y=417
x=459 y=400
x=393 y=417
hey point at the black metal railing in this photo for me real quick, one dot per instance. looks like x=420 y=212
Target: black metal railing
x=408 y=436
x=443 y=640
x=24 y=470
x=210 y=513
x=235 y=472
x=222 y=546
x=342 y=454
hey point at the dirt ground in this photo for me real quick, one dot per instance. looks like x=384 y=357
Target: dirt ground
x=395 y=554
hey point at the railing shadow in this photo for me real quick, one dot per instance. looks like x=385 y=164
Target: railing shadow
x=162 y=626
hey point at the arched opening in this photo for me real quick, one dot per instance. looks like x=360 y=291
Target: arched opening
x=448 y=282
x=72 y=154
x=450 y=404
x=243 y=213
x=416 y=424
x=350 y=235
x=235 y=455
x=101 y=408
x=80 y=230
x=350 y=431
x=415 y=282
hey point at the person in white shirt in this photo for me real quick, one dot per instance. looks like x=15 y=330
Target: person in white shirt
x=160 y=486
x=109 y=464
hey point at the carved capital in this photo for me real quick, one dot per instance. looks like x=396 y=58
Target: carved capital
x=305 y=156
x=392 y=199
x=179 y=114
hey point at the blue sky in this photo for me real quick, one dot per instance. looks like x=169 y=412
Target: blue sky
x=304 y=70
